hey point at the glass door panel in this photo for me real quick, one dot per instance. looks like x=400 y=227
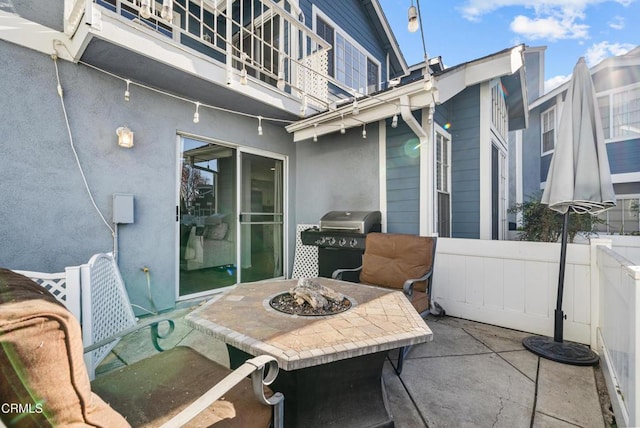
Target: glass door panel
x=208 y=217
x=261 y=219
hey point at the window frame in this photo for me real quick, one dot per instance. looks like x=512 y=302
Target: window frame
x=340 y=32
x=442 y=135
x=610 y=94
x=542 y=129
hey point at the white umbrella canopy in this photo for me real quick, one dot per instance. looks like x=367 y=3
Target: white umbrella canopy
x=579 y=177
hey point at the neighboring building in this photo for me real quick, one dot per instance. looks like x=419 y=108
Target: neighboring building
x=618 y=95
x=442 y=148
x=215 y=183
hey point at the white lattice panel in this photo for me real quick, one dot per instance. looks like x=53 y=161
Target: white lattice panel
x=64 y=286
x=305 y=262
x=107 y=310
x=311 y=77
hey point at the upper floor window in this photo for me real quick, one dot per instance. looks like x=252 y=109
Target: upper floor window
x=548 y=129
x=499 y=114
x=620 y=113
x=348 y=62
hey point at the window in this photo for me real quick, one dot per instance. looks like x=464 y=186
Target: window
x=349 y=63
x=548 y=126
x=620 y=113
x=499 y=114
x=621 y=219
x=498 y=193
x=443 y=179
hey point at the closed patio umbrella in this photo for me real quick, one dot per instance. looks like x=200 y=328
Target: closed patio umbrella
x=579 y=180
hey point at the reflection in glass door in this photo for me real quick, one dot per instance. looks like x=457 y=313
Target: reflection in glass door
x=261 y=218
x=207 y=216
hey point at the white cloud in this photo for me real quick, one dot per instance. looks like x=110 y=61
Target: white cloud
x=617 y=23
x=551 y=19
x=554 y=82
x=550 y=28
x=599 y=51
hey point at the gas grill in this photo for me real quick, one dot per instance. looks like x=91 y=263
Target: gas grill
x=341 y=239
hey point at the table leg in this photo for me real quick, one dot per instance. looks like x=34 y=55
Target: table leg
x=344 y=393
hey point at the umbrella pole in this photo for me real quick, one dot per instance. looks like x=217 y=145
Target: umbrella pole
x=555 y=348
x=559 y=314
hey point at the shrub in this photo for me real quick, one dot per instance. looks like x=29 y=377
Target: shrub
x=540 y=223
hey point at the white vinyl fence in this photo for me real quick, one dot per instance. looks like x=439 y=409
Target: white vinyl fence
x=514 y=284
x=619 y=332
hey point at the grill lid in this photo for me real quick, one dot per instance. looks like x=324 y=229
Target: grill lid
x=350 y=221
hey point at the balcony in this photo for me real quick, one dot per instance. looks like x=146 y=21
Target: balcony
x=229 y=53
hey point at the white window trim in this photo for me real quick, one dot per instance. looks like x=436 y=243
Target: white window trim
x=609 y=94
x=440 y=130
x=555 y=130
x=316 y=12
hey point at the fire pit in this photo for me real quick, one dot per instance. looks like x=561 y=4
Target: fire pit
x=285 y=303
x=310 y=298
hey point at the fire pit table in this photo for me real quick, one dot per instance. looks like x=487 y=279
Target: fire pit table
x=331 y=366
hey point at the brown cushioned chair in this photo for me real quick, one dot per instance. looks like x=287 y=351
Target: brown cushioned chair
x=44 y=380
x=399 y=261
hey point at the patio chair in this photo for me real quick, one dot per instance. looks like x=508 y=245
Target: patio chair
x=399 y=261
x=107 y=311
x=45 y=382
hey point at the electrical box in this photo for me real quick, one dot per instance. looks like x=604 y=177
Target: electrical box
x=122 y=208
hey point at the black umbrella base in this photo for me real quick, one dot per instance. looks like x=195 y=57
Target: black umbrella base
x=561 y=352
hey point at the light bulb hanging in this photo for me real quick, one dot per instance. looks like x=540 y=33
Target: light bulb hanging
x=127 y=94
x=145 y=9
x=356 y=108
x=413 y=24
x=303 y=105
x=259 y=125
x=342 y=128
x=243 y=76
x=281 y=83
x=196 y=115
x=167 y=10
x=394 y=121
x=315 y=133
x=364 y=131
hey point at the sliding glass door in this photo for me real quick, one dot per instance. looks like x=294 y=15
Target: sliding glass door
x=261 y=217
x=230 y=215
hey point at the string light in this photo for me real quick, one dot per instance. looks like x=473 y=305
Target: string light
x=280 y=84
x=167 y=10
x=342 y=128
x=364 y=131
x=126 y=92
x=243 y=76
x=394 y=120
x=413 y=19
x=303 y=105
x=259 y=125
x=145 y=9
x=196 y=115
x=356 y=108
x=315 y=132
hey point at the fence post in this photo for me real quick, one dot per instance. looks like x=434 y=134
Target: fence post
x=595 y=288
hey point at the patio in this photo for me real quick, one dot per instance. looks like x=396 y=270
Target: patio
x=471 y=374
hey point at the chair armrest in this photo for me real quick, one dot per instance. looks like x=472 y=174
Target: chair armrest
x=254 y=367
x=408 y=284
x=152 y=322
x=337 y=274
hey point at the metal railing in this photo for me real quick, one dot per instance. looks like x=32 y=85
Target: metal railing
x=264 y=40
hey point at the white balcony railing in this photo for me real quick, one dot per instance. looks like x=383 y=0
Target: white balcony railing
x=264 y=40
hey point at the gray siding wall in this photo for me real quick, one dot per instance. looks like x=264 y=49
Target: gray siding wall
x=531 y=160
x=403 y=180
x=465 y=164
x=49 y=222
x=51 y=16
x=339 y=172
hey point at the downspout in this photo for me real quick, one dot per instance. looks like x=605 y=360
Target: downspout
x=426 y=162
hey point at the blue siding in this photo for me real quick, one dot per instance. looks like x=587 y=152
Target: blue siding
x=352 y=19
x=403 y=180
x=624 y=156
x=465 y=164
x=545 y=163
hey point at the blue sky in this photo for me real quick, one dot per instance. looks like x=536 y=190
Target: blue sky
x=463 y=30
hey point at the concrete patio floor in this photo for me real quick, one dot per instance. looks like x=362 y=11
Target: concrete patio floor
x=470 y=375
